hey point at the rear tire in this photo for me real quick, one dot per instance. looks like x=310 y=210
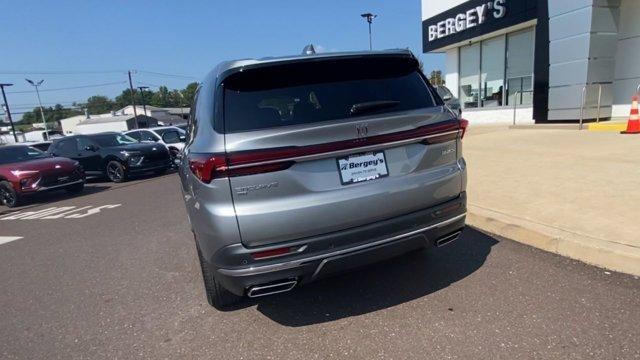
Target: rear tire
x=116 y=172
x=8 y=195
x=217 y=296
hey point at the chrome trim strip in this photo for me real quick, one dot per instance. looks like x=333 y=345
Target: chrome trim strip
x=325 y=261
x=297 y=262
x=345 y=151
x=59 y=186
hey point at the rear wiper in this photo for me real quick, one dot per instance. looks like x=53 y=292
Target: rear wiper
x=370 y=106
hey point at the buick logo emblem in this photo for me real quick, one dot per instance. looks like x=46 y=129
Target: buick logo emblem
x=362 y=130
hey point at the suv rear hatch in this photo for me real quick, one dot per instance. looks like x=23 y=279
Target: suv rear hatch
x=320 y=146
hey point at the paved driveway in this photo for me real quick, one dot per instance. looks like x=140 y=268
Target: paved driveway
x=123 y=282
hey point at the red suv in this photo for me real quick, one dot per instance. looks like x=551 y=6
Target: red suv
x=26 y=170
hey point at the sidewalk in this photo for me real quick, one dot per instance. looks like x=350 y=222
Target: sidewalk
x=575 y=193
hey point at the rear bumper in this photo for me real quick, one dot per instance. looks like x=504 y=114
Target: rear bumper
x=336 y=252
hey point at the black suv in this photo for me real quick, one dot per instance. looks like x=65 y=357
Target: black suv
x=112 y=154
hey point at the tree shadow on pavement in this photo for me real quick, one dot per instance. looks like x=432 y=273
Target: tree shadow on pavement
x=381 y=285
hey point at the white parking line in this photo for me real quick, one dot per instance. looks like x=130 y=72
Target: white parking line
x=67 y=212
x=6 y=239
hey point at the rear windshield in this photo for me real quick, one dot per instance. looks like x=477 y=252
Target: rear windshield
x=310 y=92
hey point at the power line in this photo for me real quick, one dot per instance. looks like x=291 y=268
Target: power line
x=167 y=75
x=62 y=72
x=149 y=84
x=69 y=88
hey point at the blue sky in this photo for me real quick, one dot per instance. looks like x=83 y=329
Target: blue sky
x=178 y=37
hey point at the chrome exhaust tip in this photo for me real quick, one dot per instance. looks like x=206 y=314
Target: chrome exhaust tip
x=448 y=238
x=272 y=288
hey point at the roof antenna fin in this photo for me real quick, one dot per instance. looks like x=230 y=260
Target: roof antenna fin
x=309 y=50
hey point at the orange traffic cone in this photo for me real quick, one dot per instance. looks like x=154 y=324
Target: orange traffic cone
x=633 y=125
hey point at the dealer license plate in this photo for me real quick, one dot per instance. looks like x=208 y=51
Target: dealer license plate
x=362 y=167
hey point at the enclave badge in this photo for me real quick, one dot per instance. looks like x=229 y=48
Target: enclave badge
x=362 y=130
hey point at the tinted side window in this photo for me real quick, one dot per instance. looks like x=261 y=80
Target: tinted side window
x=309 y=92
x=83 y=143
x=66 y=147
x=148 y=136
x=135 y=135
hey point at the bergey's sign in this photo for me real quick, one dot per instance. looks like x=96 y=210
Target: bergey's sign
x=466 y=20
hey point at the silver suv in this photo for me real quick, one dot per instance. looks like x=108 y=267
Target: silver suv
x=300 y=167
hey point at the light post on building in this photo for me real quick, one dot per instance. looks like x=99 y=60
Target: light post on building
x=369 y=17
x=44 y=121
x=8 y=111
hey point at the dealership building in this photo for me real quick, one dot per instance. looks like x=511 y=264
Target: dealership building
x=552 y=60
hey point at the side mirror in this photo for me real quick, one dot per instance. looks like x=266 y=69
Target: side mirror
x=171 y=137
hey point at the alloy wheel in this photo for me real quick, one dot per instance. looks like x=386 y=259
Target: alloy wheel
x=115 y=172
x=7 y=197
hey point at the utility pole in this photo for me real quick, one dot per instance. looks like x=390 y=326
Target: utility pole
x=369 y=17
x=133 y=100
x=144 y=105
x=44 y=121
x=8 y=111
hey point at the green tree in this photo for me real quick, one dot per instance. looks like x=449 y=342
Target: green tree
x=124 y=99
x=99 y=104
x=436 y=77
x=161 y=97
x=51 y=114
x=188 y=94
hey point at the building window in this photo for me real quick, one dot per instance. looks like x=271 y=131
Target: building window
x=469 y=75
x=485 y=65
x=520 y=67
x=492 y=72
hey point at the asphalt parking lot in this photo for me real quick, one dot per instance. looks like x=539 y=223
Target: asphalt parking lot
x=115 y=275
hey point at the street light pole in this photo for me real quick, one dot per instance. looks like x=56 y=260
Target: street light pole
x=133 y=100
x=144 y=105
x=8 y=111
x=369 y=17
x=44 y=121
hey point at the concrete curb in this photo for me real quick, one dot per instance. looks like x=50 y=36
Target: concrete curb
x=594 y=251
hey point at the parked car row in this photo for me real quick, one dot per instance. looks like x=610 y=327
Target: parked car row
x=64 y=163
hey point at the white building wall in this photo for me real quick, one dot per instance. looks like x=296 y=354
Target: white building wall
x=97 y=128
x=504 y=115
x=627 y=62
x=69 y=124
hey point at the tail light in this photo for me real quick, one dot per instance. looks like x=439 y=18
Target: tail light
x=207 y=167
x=463 y=126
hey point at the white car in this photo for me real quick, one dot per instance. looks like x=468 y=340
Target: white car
x=170 y=136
